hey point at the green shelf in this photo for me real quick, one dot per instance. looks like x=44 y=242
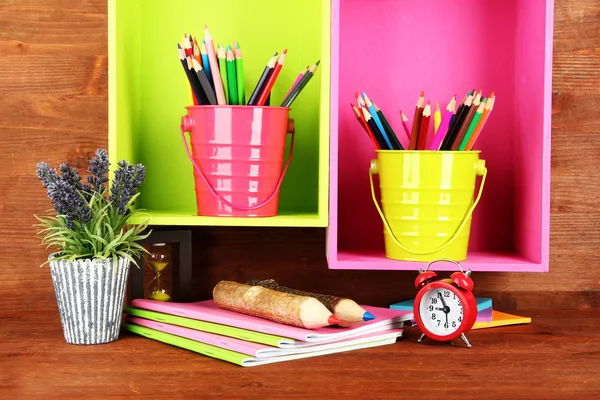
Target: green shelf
x=148 y=92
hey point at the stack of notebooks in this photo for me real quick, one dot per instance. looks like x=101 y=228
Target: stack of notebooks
x=248 y=341
x=487 y=317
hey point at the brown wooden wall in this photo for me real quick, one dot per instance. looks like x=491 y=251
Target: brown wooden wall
x=53 y=98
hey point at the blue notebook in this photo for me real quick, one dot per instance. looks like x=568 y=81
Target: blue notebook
x=483 y=303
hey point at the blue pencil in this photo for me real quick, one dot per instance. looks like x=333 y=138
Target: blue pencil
x=373 y=113
x=206 y=63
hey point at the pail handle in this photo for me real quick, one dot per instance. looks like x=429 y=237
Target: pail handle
x=373 y=171
x=218 y=196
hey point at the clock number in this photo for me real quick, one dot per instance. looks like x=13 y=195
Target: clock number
x=433 y=316
x=446 y=325
x=433 y=300
x=454 y=324
x=461 y=310
x=430 y=308
x=439 y=320
x=454 y=296
x=446 y=293
x=459 y=319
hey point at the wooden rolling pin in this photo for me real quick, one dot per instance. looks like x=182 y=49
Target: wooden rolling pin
x=285 y=308
x=346 y=310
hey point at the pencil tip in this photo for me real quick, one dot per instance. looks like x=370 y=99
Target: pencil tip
x=178 y=46
x=274 y=55
x=332 y=320
x=317 y=63
x=205 y=26
x=367 y=316
x=493 y=94
x=237 y=45
x=422 y=93
x=284 y=51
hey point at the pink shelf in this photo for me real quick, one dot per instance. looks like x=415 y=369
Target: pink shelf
x=394 y=49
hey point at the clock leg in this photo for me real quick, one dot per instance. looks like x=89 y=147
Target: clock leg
x=464 y=338
x=421 y=338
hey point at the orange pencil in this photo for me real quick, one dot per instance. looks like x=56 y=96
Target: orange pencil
x=414 y=133
x=424 y=128
x=489 y=106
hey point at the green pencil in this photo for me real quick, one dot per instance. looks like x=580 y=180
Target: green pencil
x=232 y=78
x=239 y=71
x=223 y=71
x=472 y=125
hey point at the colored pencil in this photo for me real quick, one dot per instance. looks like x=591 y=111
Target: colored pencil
x=298 y=78
x=262 y=80
x=472 y=125
x=223 y=72
x=405 y=124
x=365 y=126
x=214 y=67
x=377 y=120
x=206 y=63
x=239 y=71
x=465 y=124
x=444 y=125
x=192 y=79
x=489 y=106
x=204 y=83
x=414 y=133
x=388 y=129
x=424 y=127
x=456 y=122
x=374 y=129
x=437 y=117
x=298 y=89
x=271 y=81
x=187 y=48
x=197 y=55
x=232 y=78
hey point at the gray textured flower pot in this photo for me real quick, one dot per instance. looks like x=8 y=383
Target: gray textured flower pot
x=90 y=296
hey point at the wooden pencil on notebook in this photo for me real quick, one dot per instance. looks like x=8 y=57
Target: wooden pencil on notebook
x=466 y=122
x=346 y=310
x=289 y=99
x=214 y=67
x=262 y=80
x=302 y=311
x=414 y=133
x=424 y=127
x=271 y=81
x=444 y=125
x=232 y=78
x=489 y=106
x=239 y=72
x=203 y=79
x=363 y=123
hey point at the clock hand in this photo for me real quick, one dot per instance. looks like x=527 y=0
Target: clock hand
x=439 y=308
x=442 y=299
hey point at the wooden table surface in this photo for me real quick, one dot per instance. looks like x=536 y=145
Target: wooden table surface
x=53 y=98
x=555 y=357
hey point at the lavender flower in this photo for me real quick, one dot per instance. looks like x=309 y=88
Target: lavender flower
x=128 y=178
x=98 y=171
x=46 y=174
x=71 y=176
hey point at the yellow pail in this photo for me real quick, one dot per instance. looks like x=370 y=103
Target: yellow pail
x=427 y=199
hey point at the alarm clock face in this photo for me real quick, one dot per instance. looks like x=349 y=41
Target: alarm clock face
x=441 y=311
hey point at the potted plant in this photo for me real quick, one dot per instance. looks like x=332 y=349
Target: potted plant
x=94 y=244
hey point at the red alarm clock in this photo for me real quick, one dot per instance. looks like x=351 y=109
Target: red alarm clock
x=445 y=309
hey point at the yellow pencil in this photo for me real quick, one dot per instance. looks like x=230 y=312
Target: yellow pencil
x=437 y=117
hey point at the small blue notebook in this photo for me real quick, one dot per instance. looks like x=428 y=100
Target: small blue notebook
x=483 y=303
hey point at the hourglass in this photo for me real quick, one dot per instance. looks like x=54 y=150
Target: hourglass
x=158 y=259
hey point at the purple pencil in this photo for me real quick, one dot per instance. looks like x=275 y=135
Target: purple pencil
x=443 y=129
x=296 y=81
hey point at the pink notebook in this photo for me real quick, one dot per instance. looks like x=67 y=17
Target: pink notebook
x=209 y=312
x=263 y=350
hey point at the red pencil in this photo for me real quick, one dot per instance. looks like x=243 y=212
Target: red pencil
x=414 y=133
x=424 y=128
x=363 y=123
x=271 y=81
x=405 y=124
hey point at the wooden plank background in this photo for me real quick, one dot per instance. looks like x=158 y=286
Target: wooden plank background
x=53 y=93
